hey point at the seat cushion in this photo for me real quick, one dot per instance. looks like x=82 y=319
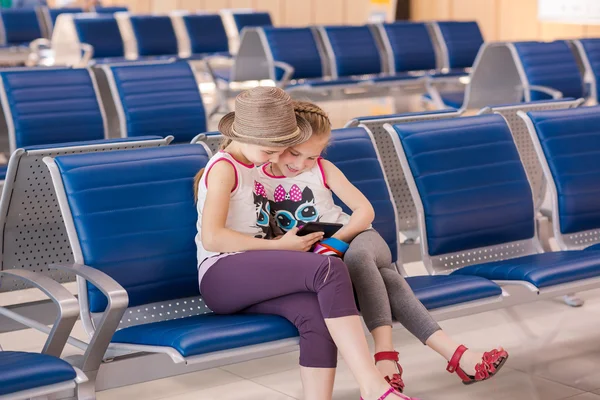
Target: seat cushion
x=395 y=78
x=594 y=247
x=541 y=270
x=327 y=82
x=22 y=371
x=447 y=290
x=450 y=99
x=207 y=333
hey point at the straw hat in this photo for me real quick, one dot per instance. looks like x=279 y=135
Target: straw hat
x=265 y=116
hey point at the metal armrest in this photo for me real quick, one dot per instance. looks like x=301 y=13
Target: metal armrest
x=556 y=94
x=288 y=72
x=68 y=310
x=37 y=45
x=212 y=60
x=118 y=300
x=87 y=51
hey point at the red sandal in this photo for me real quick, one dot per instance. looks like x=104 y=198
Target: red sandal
x=396 y=393
x=396 y=380
x=490 y=364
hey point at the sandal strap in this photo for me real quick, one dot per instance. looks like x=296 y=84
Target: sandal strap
x=455 y=360
x=386 y=355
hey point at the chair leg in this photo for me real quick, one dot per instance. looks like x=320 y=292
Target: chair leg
x=87 y=390
x=572 y=300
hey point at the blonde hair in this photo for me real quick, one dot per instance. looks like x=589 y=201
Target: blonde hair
x=222 y=146
x=317 y=118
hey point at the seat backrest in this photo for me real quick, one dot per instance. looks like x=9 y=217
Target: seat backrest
x=589 y=51
x=206 y=33
x=157 y=99
x=45 y=106
x=251 y=20
x=102 y=33
x=135 y=219
x=352 y=50
x=471 y=191
x=352 y=150
x=51 y=14
x=522 y=138
x=154 y=35
x=459 y=42
x=19 y=26
x=32 y=231
x=408 y=46
x=405 y=206
x=110 y=10
x=568 y=144
x=297 y=47
x=550 y=64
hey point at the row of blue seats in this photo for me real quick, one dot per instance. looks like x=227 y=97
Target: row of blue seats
x=22 y=26
x=483 y=253
x=334 y=56
x=142 y=37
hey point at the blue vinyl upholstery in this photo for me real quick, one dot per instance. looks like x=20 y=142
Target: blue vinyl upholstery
x=412 y=48
x=541 y=270
x=592 y=51
x=570 y=140
x=207 y=34
x=135 y=216
x=52 y=106
x=154 y=34
x=297 y=47
x=102 y=33
x=160 y=99
x=471 y=182
x=21 y=25
x=552 y=65
x=463 y=40
x=55 y=12
x=208 y=333
x=354 y=49
x=254 y=19
x=110 y=10
x=352 y=151
x=22 y=371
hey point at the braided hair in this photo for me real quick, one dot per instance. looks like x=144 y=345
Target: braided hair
x=315 y=116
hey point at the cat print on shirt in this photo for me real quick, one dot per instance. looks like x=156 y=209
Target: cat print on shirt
x=263 y=211
x=293 y=208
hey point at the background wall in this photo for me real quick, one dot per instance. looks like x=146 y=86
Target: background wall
x=499 y=19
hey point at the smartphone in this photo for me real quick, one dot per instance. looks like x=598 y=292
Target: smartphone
x=328 y=229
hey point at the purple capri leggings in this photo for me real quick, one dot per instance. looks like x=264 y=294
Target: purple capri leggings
x=302 y=287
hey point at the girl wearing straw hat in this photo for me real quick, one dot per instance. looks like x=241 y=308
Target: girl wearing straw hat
x=240 y=271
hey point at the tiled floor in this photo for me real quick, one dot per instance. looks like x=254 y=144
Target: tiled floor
x=554 y=353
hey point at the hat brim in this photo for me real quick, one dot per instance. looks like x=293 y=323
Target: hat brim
x=304 y=133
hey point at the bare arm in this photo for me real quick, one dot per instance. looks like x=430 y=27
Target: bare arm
x=362 y=210
x=216 y=237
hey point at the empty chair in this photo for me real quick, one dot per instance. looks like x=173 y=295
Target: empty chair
x=51 y=14
x=251 y=19
x=567 y=143
x=459 y=43
x=200 y=34
x=46 y=106
x=36 y=219
x=19 y=26
x=550 y=70
x=157 y=99
x=147 y=35
x=25 y=375
x=476 y=211
x=353 y=52
x=590 y=55
x=154 y=248
x=110 y=9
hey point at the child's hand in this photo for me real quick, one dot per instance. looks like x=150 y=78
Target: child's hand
x=331 y=247
x=291 y=241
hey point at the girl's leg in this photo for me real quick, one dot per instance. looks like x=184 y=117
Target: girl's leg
x=362 y=261
x=318 y=353
x=241 y=280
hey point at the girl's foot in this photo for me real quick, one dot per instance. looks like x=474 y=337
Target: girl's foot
x=387 y=363
x=473 y=367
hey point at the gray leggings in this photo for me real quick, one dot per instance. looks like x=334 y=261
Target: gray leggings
x=382 y=291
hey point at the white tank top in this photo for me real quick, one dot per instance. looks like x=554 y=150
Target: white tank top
x=248 y=207
x=301 y=199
